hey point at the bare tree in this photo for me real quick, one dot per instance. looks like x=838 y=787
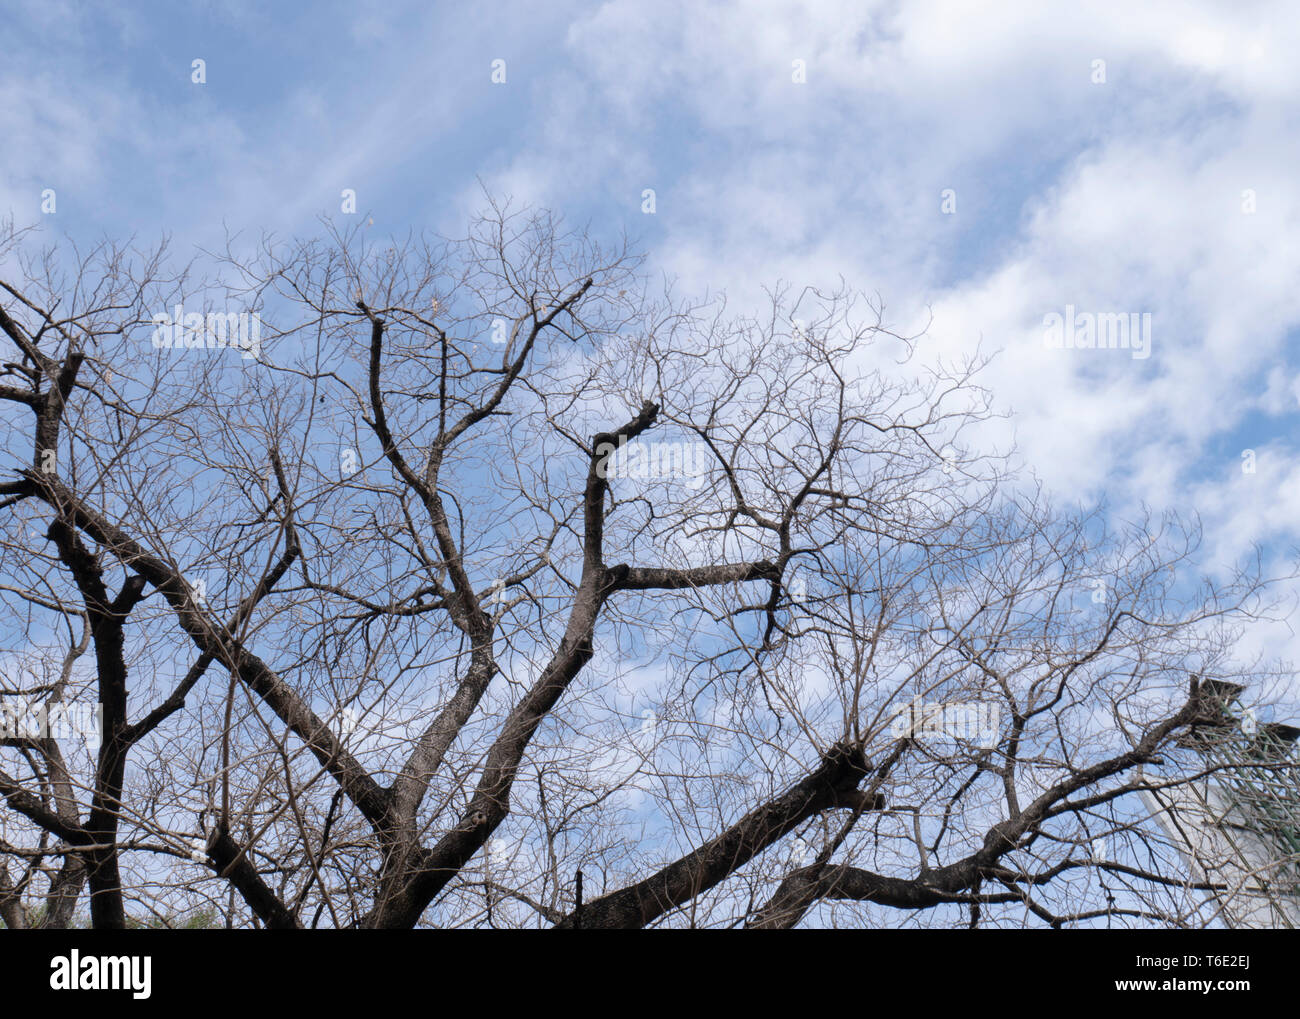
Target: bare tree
x=471 y=565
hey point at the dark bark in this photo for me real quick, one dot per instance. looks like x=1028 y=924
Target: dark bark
x=233 y=864
x=955 y=882
x=838 y=775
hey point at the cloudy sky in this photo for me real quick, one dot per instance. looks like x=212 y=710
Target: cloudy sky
x=980 y=165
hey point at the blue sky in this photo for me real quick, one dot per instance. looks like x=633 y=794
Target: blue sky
x=1159 y=181
x=1123 y=194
